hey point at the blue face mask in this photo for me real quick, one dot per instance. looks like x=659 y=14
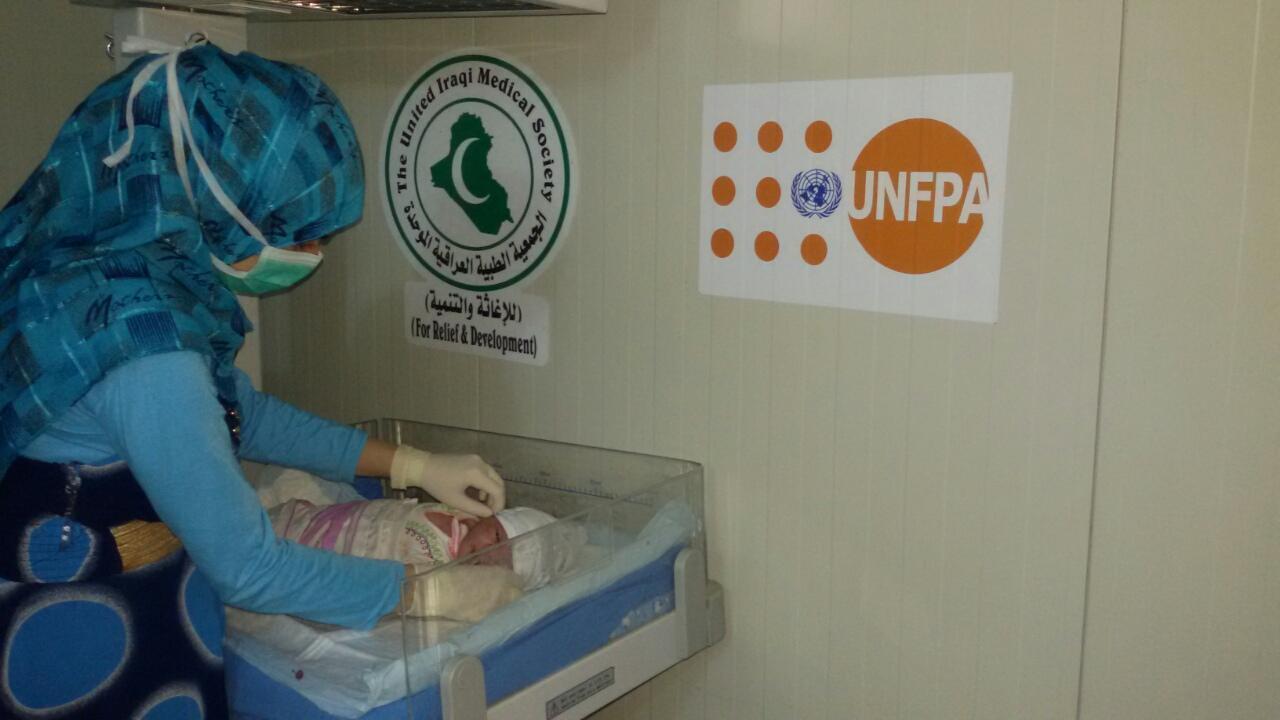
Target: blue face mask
x=276 y=270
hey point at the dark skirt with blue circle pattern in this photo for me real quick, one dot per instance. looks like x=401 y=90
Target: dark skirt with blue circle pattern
x=81 y=638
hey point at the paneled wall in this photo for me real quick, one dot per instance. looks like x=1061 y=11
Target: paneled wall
x=39 y=88
x=1184 y=583
x=899 y=508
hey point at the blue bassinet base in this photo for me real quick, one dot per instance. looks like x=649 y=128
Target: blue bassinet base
x=549 y=645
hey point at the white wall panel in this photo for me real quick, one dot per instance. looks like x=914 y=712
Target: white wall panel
x=898 y=507
x=1184 y=599
x=41 y=88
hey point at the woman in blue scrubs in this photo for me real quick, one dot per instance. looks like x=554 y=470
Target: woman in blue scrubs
x=185 y=177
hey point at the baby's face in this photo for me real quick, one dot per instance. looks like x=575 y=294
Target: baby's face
x=485 y=533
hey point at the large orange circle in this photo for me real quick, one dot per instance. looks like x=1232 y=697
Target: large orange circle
x=722 y=243
x=725 y=136
x=769 y=136
x=767 y=246
x=768 y=192
x=723 y=190
x=934 y=239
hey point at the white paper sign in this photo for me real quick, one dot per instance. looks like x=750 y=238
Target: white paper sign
x=504 y=324
x=879 y=194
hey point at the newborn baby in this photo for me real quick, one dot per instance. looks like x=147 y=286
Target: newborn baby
x=429 y=534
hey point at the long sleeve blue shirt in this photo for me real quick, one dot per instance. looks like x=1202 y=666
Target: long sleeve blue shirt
x=161 y=415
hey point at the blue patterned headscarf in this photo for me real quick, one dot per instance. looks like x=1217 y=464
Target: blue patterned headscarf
x=102 y=265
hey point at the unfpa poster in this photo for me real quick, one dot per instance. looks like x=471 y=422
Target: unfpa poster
x=880 y=194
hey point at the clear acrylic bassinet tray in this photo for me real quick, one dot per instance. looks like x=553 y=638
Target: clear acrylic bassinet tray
x=618 y=514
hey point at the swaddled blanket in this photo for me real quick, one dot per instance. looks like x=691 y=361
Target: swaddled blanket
x=404 y=530
x=424 y=535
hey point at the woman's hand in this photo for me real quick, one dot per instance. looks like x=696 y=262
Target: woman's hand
x=466 y=593
x=448 y=478
x=407 y=593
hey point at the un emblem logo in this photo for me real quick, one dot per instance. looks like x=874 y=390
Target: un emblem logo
x=816 y=193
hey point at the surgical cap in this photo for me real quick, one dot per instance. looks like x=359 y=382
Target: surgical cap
x=102 y=265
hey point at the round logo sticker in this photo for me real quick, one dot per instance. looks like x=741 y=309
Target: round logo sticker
x=478 y=170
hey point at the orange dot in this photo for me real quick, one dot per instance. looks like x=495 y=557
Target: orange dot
x=723 y=190
x=766 y=246
x=770 y=136
x=726 y=136
x=813 y=249
x=818 y=136
x=768 y=192
x=722 y=243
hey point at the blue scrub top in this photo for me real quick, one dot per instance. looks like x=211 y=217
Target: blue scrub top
x=161 y=415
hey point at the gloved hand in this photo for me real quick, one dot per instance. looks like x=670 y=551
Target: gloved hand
x=447 y=478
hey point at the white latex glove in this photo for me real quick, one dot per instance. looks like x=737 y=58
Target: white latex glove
x=447 y=478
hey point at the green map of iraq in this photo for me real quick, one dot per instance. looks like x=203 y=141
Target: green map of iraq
x=464 y=175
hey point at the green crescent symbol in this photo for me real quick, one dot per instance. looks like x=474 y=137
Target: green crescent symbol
x=459 y=180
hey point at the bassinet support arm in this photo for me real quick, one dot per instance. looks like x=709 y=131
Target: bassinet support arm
x=462 y=689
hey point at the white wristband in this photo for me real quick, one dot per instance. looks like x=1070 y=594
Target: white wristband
x=408 y=463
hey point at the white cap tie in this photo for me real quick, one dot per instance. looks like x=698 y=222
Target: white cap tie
x=179 y=131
